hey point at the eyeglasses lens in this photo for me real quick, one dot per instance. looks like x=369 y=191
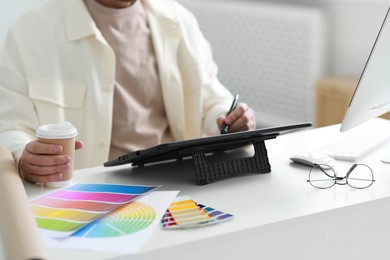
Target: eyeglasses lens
x=322 y=176
x=361 y=177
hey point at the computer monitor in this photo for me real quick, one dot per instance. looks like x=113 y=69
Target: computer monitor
x=372 y=94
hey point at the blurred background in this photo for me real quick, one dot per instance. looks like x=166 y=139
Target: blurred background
x=291 y=60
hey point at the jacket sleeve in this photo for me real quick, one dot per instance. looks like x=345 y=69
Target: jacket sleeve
x=18 y=119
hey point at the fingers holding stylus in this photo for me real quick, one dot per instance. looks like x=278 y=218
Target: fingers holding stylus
x=242 y=118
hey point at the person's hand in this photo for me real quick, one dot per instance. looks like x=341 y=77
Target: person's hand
x=242 y=118
x=42 y=163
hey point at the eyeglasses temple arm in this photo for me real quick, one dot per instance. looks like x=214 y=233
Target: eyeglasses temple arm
x=319 y=166
x=351 y=169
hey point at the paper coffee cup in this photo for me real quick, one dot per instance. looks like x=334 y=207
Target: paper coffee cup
x=63 y=134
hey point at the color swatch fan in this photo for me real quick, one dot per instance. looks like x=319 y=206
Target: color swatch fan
x=186 y=213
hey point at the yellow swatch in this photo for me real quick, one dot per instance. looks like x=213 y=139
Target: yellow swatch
x=69 y=214
x=187 y=211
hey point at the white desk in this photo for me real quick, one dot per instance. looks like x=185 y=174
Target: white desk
x=277 y=215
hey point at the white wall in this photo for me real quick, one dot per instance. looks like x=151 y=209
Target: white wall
x=9 y=11
x=354 y=26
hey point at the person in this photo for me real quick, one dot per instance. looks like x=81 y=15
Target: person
x=129 y=74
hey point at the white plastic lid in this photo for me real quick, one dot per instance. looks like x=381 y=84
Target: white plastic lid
x=56 y=131
x=58 y=184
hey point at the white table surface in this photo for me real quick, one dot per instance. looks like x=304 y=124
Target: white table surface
x=277 y=215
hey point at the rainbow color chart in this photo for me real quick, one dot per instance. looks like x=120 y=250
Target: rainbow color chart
x=65 y=211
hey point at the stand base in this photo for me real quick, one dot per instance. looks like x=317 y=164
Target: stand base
x=386 y=159
x=386 y=156
x=206 y=172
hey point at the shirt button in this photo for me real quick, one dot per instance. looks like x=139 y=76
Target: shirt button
x=103 y=143
x=108 y=87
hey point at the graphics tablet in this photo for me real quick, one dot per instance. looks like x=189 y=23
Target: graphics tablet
x=211 y=144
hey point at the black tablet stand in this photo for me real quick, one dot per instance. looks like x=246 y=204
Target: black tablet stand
x=208 y=172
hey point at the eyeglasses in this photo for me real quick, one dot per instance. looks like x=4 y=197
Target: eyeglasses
x=359 y=176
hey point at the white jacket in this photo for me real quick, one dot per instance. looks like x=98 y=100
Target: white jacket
x=58 y=67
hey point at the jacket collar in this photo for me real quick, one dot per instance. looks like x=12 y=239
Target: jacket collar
x=164 y=9
x=79 y=23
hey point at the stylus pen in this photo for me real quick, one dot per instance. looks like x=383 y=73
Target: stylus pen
x=232 y=107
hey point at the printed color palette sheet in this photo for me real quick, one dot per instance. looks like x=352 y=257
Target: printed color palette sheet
x=63 y=212
x=127 y=219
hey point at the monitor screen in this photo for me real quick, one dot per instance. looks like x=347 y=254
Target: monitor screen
x=372 y=94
